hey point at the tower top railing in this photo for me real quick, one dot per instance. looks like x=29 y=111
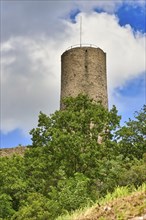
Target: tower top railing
x=82 y=45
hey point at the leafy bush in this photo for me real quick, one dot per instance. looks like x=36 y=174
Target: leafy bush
x=36 y=206
x=6 y=209
x=71 y=193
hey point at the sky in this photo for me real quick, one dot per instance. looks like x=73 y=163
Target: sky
x=34 y=34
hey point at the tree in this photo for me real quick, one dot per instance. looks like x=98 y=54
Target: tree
x=67 y=166
x=12 y=184
x=69 y=138
x=35 y=206
x=6 y=209
x=132 y=136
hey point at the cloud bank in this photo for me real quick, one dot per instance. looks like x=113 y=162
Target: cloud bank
x=31 y=66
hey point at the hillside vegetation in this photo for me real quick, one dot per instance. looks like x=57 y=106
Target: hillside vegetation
x=124 y=203
x=77 y=156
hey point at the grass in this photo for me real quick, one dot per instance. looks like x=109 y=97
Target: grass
x=123 y=204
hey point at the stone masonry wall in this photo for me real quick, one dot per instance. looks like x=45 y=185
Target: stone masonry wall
x=7 y=152
x=83 y=70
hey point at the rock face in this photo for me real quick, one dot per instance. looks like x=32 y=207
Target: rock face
x=83 y=70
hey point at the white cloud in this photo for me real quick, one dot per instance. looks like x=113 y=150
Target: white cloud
x=31 y=75
x=108 y=6
x=30 y=82
x=125 y=50
x=44 y=16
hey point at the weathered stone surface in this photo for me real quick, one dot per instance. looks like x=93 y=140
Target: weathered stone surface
x=83 y=70
x=7 y=152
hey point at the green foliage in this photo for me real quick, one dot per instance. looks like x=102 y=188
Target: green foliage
x=132 y=136
x=71 y=193
x=12 y=179
x=77 y=155
x=35 y=206
x=117 y=193
x=136 y=174
x=112 y=200
x=70 y=137
x=6 y=209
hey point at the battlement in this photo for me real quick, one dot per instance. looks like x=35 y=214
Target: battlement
x=82 y=45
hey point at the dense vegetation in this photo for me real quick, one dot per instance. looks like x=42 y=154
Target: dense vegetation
x=125 y=203
x=77 y=155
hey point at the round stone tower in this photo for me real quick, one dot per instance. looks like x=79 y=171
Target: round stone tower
x=83 y=70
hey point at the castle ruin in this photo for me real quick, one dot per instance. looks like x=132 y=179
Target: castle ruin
x=83 y=70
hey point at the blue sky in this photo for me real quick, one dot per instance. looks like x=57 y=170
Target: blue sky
x=31 y=51
x=130 y=14
x=133 y=16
